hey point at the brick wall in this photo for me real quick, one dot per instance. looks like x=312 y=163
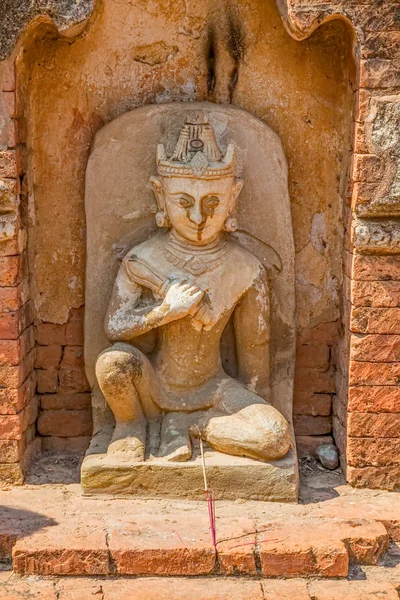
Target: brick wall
x=65 y=419
x=18 y=402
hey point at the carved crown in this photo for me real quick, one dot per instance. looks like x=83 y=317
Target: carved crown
x=196 y=153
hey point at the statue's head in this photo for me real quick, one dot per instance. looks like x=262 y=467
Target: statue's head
x=196 y=188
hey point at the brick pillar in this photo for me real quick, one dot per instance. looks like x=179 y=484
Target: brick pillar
x=373 y=409
x=18 y=403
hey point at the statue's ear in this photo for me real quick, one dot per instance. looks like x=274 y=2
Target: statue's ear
x=237 y=188
x=158 y=191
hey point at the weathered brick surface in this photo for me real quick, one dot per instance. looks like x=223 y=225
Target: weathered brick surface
x=382 y=477
x=382 y=425
x=374 y=399
x=65 y=423
x=12 y=401
x=375 y=320
x=65 y=401
x=376 y=268
x=49 y=334
x=48 y=357
x=12 y=427
x=375 y=348
x=363 y=452
x=308 y=425
x=374 y=373
x=379 y=294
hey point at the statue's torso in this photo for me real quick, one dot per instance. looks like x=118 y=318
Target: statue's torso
x=187 y=355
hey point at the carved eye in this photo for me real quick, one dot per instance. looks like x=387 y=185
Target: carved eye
x=211 y=202
x=185 y=202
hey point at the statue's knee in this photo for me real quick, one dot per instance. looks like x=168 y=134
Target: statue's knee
x=117 y=364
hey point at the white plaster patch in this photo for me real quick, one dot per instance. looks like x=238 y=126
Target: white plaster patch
x=318 y=233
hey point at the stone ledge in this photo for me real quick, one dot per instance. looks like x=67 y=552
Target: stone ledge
x=229 y=477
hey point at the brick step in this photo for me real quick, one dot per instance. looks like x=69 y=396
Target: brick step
x=179 y=544
x=206 y=588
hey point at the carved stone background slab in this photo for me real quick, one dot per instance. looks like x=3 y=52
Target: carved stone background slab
x=119 y=214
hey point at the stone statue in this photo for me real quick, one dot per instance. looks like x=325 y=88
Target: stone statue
x=186 y=282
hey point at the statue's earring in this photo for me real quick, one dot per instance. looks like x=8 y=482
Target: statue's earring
x=162 y=219
x=230 y=224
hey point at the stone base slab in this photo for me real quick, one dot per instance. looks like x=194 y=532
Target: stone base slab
x=229 y=477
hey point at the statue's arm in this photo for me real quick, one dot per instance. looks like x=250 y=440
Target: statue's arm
x=127 y=317
x=252 y=332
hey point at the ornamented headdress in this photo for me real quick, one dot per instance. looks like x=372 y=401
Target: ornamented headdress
x=197 y=154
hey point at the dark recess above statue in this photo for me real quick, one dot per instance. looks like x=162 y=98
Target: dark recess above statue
x=16 y=14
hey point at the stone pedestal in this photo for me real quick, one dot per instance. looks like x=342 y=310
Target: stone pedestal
x=229 y=477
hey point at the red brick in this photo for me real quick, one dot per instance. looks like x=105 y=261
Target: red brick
x=352 y=590
x=13 y=377
x=176 y=545
x=375 y=348
x=12 y=401
x=9 y=103
x=65 y=423
x=12 y=134
x=49 y=334
x=374 y=399
x=362 y=452
x=8 y=195
x=284 y=590
x=296 y=551
x=8 y=76
x=66 y=401
x=12 y=427
x=70 y=552
x=376 y=268
x=11 y=270
x=12 y=451
x=383 y=44
x=312 y=404
x=384 y=16
x=48 y=357
x=378 y=294
x=18 y=589
x=312 y=356
x=8 y=164
x=12 y=324
x=73 y=357
x=74 y=333
x=374 y=373
x=360 y=140
x=66 y=445
x=305 y=425
x=236 y=550
x=168 y=588
x=324 y=333
x=73 y=380
x=382 y=425
x=375 y=320
x=379 y=73
x=47 y=381
x=12 y=298
x=307 y=444
x=13 y=351
x=368 y=168
x=384 y=478
x=312 y=381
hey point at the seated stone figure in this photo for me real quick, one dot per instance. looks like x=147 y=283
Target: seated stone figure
x=188 y=281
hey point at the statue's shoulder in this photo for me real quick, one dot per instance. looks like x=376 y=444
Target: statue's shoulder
x=243 y=258
x=149 y=249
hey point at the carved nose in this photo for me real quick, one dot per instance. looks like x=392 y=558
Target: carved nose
x=195 y=216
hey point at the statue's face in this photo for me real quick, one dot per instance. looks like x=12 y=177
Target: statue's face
x=198 y=208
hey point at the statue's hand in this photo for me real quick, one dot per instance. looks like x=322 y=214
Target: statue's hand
x=181 y=299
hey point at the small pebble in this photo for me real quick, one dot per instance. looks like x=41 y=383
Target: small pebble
x=328 y=456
